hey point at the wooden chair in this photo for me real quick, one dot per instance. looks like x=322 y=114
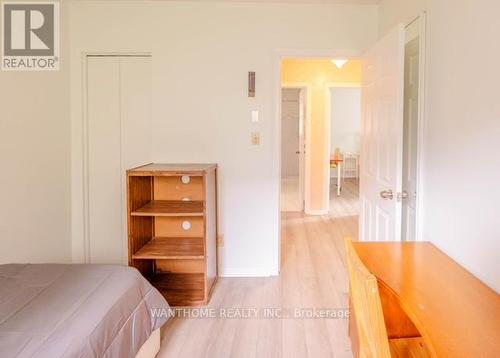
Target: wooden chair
x=369 y=317
x=350 y=168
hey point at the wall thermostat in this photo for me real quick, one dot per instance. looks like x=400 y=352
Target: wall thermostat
x=251 y=84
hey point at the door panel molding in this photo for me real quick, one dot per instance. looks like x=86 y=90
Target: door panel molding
x=382 y=138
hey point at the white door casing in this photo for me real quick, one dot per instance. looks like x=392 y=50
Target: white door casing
x=381 y=139
x=410 y=143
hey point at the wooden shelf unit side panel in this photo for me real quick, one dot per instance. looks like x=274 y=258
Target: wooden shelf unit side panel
x=140 y=229
x=211 y=232
x=172 y=188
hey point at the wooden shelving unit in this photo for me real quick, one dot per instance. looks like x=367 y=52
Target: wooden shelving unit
x=172 y=225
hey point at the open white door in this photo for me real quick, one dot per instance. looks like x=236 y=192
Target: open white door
x=382 y=138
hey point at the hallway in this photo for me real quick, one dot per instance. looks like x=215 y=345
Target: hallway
x=313 y=276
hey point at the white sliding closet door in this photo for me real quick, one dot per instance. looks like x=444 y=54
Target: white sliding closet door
x=119 y=137
x=104 y=164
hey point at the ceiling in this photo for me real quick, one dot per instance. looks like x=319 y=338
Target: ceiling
x=310 y=1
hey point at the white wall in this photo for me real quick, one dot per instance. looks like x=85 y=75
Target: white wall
x=345 y=115
x=35 y=222
x=201 y=113
x=462 y=128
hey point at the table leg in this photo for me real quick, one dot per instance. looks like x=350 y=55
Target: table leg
x=338 y=179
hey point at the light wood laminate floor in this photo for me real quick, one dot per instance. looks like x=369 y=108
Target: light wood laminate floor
x=313 y=275
x=290 y=195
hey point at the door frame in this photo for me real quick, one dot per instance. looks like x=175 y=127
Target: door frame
x=86 y=147
x=422 y=109
x=304 y=159
x=279 y=56
x=328 y=113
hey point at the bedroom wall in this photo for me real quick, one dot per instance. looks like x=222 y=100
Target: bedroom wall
x=202 y=52
x=462 y=128
x=35 y=220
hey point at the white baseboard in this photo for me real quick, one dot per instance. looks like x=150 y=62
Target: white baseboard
x=248 y=272
x=316 y=212
x=290 y=179
x=343 y=177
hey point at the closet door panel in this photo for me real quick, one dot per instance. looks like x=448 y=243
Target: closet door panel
x=136 y=126
x=105 y=217
x=135 y=90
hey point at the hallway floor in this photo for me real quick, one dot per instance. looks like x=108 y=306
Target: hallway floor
x=313 y=276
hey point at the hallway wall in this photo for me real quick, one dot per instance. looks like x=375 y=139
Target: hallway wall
x=346 y=119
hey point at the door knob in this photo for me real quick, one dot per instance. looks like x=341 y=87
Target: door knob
x=387 y=194
x=297 y=152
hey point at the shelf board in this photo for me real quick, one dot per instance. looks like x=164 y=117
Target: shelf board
x=170 y=208
x=172 y=248
x=163 y=169
x=181 y=289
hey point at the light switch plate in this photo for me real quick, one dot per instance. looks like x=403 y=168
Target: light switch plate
x=255 y=116
x=255 y=138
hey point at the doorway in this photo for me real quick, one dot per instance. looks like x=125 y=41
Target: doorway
x=387 y=117
x=312 y=80
x=292 y=148
x=315 y=79
x=345 y=132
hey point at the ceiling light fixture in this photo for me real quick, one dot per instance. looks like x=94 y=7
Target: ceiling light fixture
x=339 y=62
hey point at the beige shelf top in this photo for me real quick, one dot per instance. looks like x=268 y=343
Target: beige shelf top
x=188 y=168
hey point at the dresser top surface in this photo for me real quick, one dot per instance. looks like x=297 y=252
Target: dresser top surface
x=451 y=308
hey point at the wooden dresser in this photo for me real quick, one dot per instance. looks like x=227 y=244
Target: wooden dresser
x=426 y=293
x=172 y=229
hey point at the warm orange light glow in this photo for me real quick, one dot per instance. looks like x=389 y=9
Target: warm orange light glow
x=339 y=63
